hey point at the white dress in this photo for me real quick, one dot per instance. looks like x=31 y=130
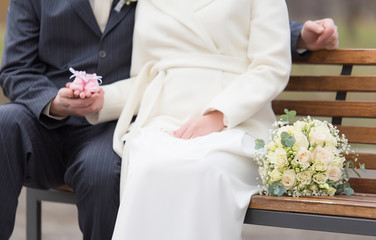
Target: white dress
x=197 y=189
x=190 y=57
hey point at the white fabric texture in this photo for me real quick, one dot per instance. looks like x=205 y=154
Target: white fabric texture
x=195 y=189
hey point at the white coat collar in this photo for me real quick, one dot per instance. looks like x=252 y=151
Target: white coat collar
x=183 y=13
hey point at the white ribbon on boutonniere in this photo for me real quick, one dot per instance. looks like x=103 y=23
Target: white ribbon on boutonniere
x=121 y=3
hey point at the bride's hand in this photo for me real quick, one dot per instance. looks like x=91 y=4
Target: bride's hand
x=201 y=126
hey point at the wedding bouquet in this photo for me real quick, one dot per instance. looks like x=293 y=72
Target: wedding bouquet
x=304 y=158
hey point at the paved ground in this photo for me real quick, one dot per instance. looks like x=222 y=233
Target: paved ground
x=60 y=223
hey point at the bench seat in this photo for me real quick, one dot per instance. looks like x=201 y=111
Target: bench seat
x=357 y=205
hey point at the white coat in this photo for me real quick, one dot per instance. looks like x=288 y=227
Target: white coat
x=200 y=55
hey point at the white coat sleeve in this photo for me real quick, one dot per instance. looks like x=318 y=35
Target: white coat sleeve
x=115 y=97
x=269 y=68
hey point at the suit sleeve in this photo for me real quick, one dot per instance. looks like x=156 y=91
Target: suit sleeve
x=21 y=75
x=296 y=28
x=270 y=63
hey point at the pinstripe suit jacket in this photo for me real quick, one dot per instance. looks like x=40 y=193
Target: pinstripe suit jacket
x=46 y=37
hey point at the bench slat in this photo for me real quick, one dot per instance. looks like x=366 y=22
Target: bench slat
x=338 y=205
x=327 y=108
x=368 y=158
x=341 y=57
x=365 y=135
x=332 y=83
x=364 y=185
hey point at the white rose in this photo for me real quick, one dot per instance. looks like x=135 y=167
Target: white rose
x=305 y=165
x=320 y=166
x=334 y=173
x=338 y=161
x=288 y=179
x=322 y=155
x=301 y=140
x=272 y=146
x=332 y=149
x=303 y=157
x=320 y=178
x=279 y=158
x=275 y=175
x=304 y=177
x=300 y=125
x=331 y=141
x=288 y=128
x=319 y=135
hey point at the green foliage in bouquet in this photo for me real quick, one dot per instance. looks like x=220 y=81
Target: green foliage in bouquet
x=304 y=158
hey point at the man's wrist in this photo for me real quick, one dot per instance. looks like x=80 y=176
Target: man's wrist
x=300 y=44
x=47 y=112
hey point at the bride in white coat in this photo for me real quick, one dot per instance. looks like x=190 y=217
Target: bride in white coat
x=204 y=73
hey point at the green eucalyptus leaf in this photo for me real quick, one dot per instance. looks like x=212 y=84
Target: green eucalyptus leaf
x=259 y=144
x=291 y=114
x=290 y=141
x=287 y=116
x=287 y=140
x=280 y=191
x=276 y=190
x=284 y=119
x=271 y=189
x=349 y=191
x=285 y=135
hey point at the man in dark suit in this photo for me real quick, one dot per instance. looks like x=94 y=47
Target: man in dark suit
x=44 y=139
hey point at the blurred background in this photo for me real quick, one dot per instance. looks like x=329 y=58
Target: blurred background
x=356 y=21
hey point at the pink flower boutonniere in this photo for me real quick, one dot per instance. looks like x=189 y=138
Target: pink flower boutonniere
x=121 y=3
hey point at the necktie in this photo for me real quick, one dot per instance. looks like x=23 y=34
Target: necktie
x=101 y=11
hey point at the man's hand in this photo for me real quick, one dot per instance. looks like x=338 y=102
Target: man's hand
x=201 y=126
x=67 y=103
x=320 y=34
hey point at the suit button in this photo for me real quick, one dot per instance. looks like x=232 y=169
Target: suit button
x=102 y=54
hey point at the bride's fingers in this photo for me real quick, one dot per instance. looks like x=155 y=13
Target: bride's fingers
x=183 y=132
x=179 y=132
x=187 y=134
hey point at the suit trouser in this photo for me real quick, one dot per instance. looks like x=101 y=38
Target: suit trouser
x=79 y=155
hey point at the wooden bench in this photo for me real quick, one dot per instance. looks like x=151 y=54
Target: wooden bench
x=354 y=214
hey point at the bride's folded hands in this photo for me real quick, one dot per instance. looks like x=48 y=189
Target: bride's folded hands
x=201 y=126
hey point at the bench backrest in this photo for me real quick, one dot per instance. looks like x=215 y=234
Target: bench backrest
x=349 y=102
